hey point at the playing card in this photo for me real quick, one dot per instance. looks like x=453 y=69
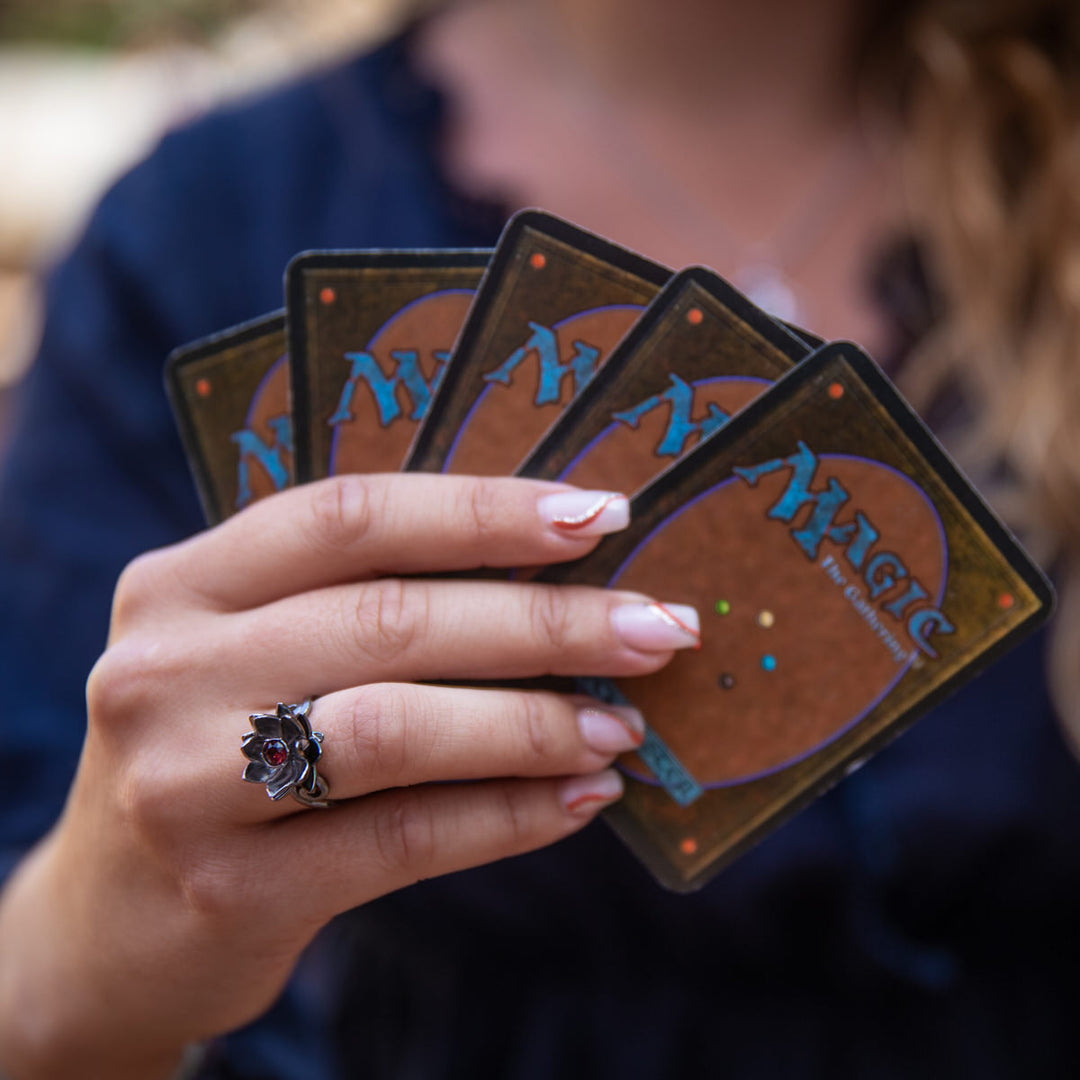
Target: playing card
x=847 y=577
x=369 y=336
x=230 y=397
x=554 y=303
x=699 y=354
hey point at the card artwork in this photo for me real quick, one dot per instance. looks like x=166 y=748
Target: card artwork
x=847 y=576
x=230 y=396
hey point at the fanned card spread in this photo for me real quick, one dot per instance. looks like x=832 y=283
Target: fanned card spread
x=847 y=575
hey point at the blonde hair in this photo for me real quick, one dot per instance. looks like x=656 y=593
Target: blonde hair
x=988 y=92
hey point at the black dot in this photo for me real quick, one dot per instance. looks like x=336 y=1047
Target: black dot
x=726 y=681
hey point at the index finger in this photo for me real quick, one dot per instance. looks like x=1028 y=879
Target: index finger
x=349 y=528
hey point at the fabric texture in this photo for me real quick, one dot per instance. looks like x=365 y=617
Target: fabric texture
x=919 y=919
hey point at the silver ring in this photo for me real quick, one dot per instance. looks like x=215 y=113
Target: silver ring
x=283 y=753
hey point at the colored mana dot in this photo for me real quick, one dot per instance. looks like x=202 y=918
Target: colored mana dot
x=726 y=681
x=328 y=295
x=721 y=607
x=836 y=391
x=688 y=845
x=1006 y=601
x=202 y=388
x=537 y=261
x=694 y=316
x=765 y=619
x=768 y=662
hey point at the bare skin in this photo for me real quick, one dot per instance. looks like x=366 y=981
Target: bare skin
x=172 y=900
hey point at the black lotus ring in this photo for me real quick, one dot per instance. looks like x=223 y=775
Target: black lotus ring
x=283 y=753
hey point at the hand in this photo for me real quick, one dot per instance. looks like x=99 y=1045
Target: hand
x=171 y=901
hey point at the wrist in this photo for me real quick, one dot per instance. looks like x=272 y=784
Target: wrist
x=44 y=1035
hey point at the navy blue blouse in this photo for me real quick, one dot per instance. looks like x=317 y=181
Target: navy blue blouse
x=921 y=918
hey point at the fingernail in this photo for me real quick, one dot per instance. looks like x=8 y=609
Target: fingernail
x=654 y=627
x=584 y=795
x=585 y=513
x=613 y=729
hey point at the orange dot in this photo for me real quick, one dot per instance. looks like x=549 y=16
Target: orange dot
x=688 y=845
x=537 y=261
x=694 y=316
x=1006 y=601
x=202 y=388
x=328 y=296
x=836 y=391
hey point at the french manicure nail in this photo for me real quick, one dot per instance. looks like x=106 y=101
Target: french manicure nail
x=654 y=627
x=584 y=795
x=614 y=729
x=585 y=513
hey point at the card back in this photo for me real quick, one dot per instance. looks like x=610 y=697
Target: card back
x=848 y=577
x=230 y=397
x=369 y=334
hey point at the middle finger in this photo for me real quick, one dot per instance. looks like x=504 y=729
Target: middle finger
x=394 y=630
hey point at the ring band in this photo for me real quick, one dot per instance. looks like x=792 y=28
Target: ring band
x=283 y=753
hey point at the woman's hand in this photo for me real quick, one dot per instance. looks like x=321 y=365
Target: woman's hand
x=171 y=901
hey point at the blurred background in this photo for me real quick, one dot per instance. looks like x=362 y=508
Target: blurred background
x=88 y=86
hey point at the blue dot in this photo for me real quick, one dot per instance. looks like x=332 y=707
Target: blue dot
x=768 y=662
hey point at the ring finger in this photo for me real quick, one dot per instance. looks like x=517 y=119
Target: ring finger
x=389 y=735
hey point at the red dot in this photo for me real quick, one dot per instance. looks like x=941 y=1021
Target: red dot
x=688 y=845
x=1006 y=601
x=694 y=316
x=836 y=391
x=327 y=295
x=202 y=388
x=537 y=261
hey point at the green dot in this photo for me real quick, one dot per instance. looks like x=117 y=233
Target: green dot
x=721 y=607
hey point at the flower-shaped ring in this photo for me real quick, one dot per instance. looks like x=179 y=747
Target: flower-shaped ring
x=282 y=753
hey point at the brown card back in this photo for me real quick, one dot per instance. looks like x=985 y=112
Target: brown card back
x=370 y=333
x=230 y=396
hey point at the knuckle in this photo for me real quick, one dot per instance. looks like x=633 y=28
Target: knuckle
x=140 y=585
x=377 y=744
x=534 y=723
x=549 y=618
x=516 y=822
x=149 y=802
x=484 y=508
x=342 y=511
x=387 y=616
x=124 y=682
x=404 y=836
x=213 y=884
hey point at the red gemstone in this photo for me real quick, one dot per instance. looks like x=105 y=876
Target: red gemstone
x=275 y=753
